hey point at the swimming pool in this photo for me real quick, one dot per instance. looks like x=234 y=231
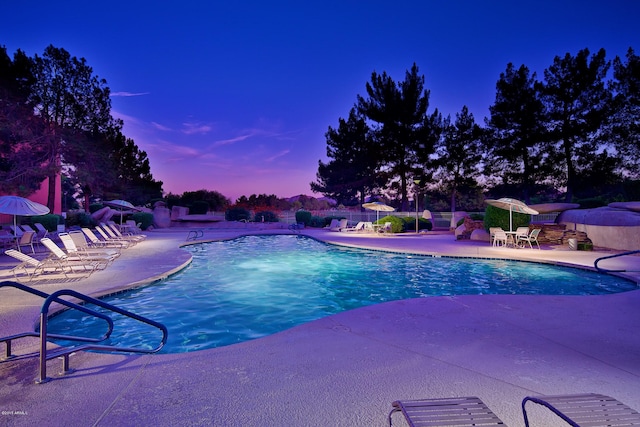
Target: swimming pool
x=253 y=286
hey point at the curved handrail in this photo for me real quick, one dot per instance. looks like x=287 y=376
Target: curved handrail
x=69 y=304
x=604 y=270
x=43 y=330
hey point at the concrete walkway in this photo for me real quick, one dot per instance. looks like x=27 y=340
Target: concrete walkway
x=344 y=370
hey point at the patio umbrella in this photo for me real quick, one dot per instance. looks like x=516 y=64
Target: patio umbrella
x=378 y=206
x=16 y=205
x=512 y=205
x=121 y=205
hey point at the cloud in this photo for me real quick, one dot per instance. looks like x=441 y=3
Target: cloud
x=194 y=128
x=161 y=127
x=278 y=155
x=126 y=94
x=232 y=140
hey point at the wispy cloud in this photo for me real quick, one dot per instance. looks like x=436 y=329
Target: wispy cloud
x=232 y=140
x=278 y=155
x=194 y=128
x=161 y=127
x=129 y=93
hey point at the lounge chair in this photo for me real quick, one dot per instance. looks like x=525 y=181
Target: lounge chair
x=80 y=240
x=116 y=235
x=586 y=410
x=112 y=240
x=127 y=235
x=387 y=228
x=454 y=411
x=95 y=242
x=362 y=226
x=531 y=238
x=42 y=231
x=72 y=262
x=30 y=266
x=341 y=224
x=98 y=256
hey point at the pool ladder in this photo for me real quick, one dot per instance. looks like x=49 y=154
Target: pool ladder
x=90 y=343
x=604 y=270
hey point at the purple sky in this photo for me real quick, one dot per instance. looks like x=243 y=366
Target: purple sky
x=236 y=96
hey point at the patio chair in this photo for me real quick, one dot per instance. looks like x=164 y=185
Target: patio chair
x=118 y=231
x=533 y=237
x=586 y=409
x=500 y=238
x=492 y=234
x=454 y=411
x=27 y=239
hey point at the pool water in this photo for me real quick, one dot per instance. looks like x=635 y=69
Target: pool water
x=254 y=286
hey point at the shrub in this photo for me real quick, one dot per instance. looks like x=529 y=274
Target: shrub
x=48 y=221
x=145 y=219
x=317 y=221
x=79 y=219
x=237 y=214
x=497 y=217
x=409 y=224
x=199 y=207
x=397 y=224
x=94 y=207
x=303 y=217
x=266 y=216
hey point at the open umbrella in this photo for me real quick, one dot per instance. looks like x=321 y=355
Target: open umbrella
x=378 y=206
x=512 y=205
x=16 y=205
x=121 y=205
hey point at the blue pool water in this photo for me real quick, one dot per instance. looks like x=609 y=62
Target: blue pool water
x=255 y=286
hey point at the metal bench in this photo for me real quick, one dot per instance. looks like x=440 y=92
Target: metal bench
x=586 y=410
x=456 y=411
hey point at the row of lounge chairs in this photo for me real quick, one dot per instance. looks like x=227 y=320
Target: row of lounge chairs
x=360 y=227
x=575 y=410
x=84 y=252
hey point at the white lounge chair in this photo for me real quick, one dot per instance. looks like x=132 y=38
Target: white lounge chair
x=95 y=242
x=453 y=411
x=32 y=267
x=362 y=226
x=98 y=256
x=72 y=262
x=585 y=410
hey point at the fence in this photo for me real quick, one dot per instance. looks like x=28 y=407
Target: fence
x=440 y=220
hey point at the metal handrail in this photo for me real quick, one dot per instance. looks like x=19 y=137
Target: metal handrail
x=28 y=289
x=604 y=270
x=66 y=352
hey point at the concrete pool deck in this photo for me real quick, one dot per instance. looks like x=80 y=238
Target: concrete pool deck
x=344 y=370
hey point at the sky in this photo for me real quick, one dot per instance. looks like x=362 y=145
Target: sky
x=236 y=96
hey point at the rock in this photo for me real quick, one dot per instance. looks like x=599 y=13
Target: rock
x=605 y=216
x=544 y=208
x=480 y=234
x=161 y=217
x=631 y=206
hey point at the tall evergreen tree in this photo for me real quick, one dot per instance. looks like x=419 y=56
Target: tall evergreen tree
x=516 y=127
x=352 y=171
x=577 y=101
x=401 y=124
x=625 y=123
x=459 y=154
